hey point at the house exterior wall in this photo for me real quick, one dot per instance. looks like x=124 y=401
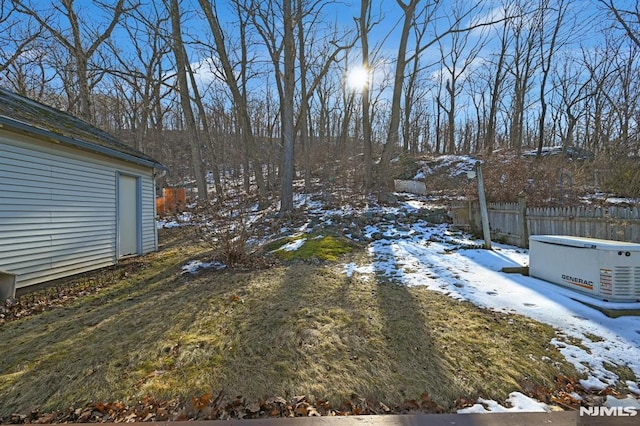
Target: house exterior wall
x=58 y=209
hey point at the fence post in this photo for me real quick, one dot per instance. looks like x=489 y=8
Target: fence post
x=484 y=214
x=522 y=212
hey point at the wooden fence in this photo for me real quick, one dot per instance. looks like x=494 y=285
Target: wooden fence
x=514 y=222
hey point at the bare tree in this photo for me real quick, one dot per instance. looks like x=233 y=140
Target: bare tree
x=412 y=92
x=409 y=11
x=365 y=25
x=28 y=77
x=324 y=95
x=303 y=117
x=496 y=86
x=522 y=68
x=599 y=63
x=272 y=21
x=276 y=26
x=427 y=14
x=344 y=119
x=240 y=100
x=248 y=151
x=207 y=134
x=142 y=68
x=81 y=41
x=624 y=99
x=475 y=89
x=574 y=91
x=456 y=59
x=289 y=81
x=313 y=67
x=628 y=19
x=185 y=100
x=16 y=36
x=550 y=40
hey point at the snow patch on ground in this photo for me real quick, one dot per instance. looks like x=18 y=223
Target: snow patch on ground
x=628 y=401
x=179 y=220
x=460 y=164
x=517 y=403
x=293 y=245
x=350 y=269
x=456 y=265
x=195 y=265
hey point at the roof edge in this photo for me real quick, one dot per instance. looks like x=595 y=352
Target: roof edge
x=76 y=143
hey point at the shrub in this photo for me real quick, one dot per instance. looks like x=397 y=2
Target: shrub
x=545 y=181
x=226 y=231
x=622 y=178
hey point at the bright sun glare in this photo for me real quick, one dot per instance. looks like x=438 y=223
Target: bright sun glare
x=357 y=79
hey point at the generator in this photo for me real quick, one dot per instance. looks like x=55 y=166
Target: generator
x=605 y=269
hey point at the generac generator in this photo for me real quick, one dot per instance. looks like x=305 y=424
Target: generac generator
x=608 y=270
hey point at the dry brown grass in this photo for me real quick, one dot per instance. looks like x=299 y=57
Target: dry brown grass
x=298 y=329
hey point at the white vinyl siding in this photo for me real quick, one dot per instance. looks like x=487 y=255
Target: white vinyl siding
x=58 y=209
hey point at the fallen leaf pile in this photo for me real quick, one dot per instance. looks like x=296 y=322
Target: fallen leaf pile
x=52 y=297
x=67 y=291
x=567 y=393
x=216 y=407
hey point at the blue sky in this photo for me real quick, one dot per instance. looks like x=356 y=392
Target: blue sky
x=384 y=35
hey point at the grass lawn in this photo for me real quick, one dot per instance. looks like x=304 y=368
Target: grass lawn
x=297 y=328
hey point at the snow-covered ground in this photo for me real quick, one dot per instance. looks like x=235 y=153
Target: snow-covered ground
x=430 y=256
x=195 y=265
x=452 y=263
x=179 y=220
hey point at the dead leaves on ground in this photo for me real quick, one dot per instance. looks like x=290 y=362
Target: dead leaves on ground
x=210 y=406
x=567 y=393
x=68 y=290
x=216 y=407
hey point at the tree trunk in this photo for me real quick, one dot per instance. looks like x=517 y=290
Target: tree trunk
x=287 y=109
x=304 y=101
x=240 y=103
x=398 y=81
x=213 y=154
x=363 y=24
x=185 y=100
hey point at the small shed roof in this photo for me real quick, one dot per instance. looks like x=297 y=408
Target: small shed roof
x=29 y=116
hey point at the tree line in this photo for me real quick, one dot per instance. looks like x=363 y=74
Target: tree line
x=257 y=90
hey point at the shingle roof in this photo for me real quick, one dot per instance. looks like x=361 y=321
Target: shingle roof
x=39 y=119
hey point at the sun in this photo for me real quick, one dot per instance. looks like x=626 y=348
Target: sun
x=358 y=79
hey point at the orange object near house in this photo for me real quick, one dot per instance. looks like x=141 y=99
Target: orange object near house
x=173 y=200
x=181 y=198
x=160 y=206
x=174 y=197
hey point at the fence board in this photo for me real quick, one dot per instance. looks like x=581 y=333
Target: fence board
x=505 y=220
